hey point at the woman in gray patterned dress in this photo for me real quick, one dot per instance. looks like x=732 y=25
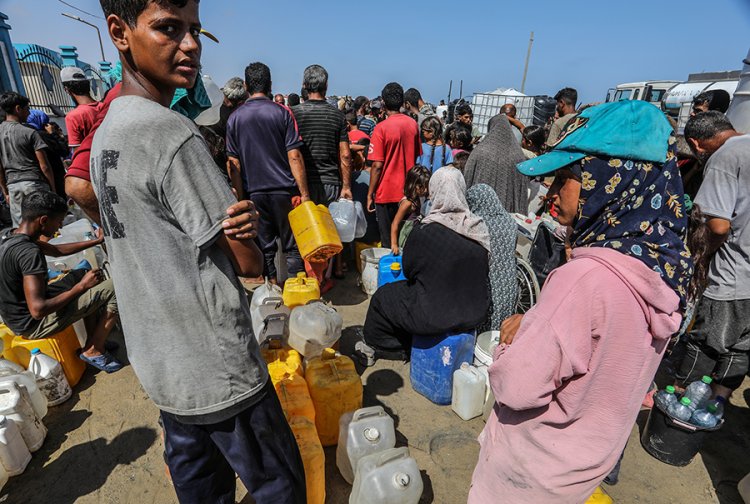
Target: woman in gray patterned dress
x=483 y=201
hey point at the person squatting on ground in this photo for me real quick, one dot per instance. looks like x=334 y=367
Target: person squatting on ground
x=177 y=240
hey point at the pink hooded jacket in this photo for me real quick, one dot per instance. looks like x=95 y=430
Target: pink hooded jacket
x=569 y=387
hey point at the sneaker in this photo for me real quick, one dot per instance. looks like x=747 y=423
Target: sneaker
x=364 y=353
x=104 y=362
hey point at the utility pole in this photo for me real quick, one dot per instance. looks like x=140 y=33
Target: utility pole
x=526 y=66
x=76 y=18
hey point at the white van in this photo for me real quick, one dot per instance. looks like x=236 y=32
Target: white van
x=650 y=91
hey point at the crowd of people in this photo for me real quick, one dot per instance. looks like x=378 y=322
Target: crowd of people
x=188 y=202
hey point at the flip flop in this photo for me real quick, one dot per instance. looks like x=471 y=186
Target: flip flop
x=104 y=362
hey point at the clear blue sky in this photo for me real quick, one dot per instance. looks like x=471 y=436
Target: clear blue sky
x=590 y=45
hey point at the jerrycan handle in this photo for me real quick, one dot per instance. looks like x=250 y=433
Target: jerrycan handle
x=374 y=411
x=275 y=300
x=391 y=455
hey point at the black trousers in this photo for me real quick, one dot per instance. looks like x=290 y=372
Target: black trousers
x=274 y=223
x=257 y=444
x=385 y=213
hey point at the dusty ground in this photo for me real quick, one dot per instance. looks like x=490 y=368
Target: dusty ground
x=103 y=444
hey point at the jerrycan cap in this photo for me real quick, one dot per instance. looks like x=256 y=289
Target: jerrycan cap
x=401 y=480
x=372 y=434
x=35 y=351
x=328 y=354
x=395 y=266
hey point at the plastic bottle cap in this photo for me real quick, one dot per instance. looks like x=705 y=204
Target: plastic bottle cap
x=669 y=389
x=707 y=380
x=372 y=434
x=328 y=354
x=685 y=401
x=35 y=351
x=402 y=479
x=395 y=266
x=301 y=274
x=711 y=408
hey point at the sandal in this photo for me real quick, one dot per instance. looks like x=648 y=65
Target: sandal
x=104 y=362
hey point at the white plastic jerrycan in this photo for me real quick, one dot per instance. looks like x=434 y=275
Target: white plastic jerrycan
x=265 y=291
x=344 y=215
x=14 y=454
x=16 y=405
x=390 y=476
x=468 y=391
x=27 y=380
x=362 y=432
x=313 y=328
x=49 y=377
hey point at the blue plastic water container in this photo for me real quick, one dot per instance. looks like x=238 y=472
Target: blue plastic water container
x=433 y=361
x=390 y=269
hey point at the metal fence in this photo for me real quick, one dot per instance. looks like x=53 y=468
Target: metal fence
x=487 y=105
x=40 y=73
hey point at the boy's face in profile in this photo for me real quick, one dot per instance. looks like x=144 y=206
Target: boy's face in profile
x=164 y=45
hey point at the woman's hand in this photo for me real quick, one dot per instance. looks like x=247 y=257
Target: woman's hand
x=394 y=249
x=509 y=328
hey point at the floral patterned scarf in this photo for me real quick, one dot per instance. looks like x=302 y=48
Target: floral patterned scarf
x=636 y=208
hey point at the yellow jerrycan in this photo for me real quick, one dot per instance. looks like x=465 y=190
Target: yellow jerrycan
x=298 y=291
x=294 y=397
x=282 y=362
x=315 y=232
x=62 y=346
x=313 y=458
x=335 y=389
x=599 y=497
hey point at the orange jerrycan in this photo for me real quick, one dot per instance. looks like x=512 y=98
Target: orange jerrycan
x=282 y=362
x=315 y=232
x=335 y=388
x=294 y=397
x=62 y=346
x=313 y=458
x=300 y=290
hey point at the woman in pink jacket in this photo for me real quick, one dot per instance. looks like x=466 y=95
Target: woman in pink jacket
x=570 y=381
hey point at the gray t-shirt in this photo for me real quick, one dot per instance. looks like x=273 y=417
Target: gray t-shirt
x=724 y=194
x=184 y=313
x=18 y=146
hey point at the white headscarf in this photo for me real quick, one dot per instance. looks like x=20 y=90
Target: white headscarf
x=450 y=208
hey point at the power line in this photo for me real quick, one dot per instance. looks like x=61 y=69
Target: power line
x=80 y=10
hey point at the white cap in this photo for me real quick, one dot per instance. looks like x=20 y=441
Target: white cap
x=72 y=74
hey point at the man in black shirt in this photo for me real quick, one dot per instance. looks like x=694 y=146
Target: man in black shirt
x=326 y=142
x=34 y=309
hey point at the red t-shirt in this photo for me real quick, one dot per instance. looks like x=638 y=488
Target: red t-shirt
x=79 y=122
x=79 y=165
x=357 y=135
x=395 y=142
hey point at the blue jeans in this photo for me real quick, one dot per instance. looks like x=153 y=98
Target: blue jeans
x=256 y=444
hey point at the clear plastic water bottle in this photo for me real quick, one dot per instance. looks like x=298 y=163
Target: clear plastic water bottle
x=665 y=397
x=699 y=392
x=681 y=410
x=719 y=403
x=705 y=417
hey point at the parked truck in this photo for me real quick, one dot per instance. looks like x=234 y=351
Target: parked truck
x=650 y=91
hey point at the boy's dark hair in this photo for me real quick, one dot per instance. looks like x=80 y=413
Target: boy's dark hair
x=359 y=101
x=567 y=95
x=412 y=96
x=393 y=96
x=463 y=109
x=80 y=88
x=418 y=177
x=351 y=117
x=129 y=10
x=41 y=203
x=10 y=100
x=459 y=136
x=459 y=160
x=258 y=78
x=716 y=99
x=535 y=135
x=292 y=99
x=707 y=125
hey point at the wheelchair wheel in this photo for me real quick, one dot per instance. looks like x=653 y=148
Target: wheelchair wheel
x=528 y=286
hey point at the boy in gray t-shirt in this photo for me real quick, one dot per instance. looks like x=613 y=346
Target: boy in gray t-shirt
x=719 y=341
x=184 y=313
